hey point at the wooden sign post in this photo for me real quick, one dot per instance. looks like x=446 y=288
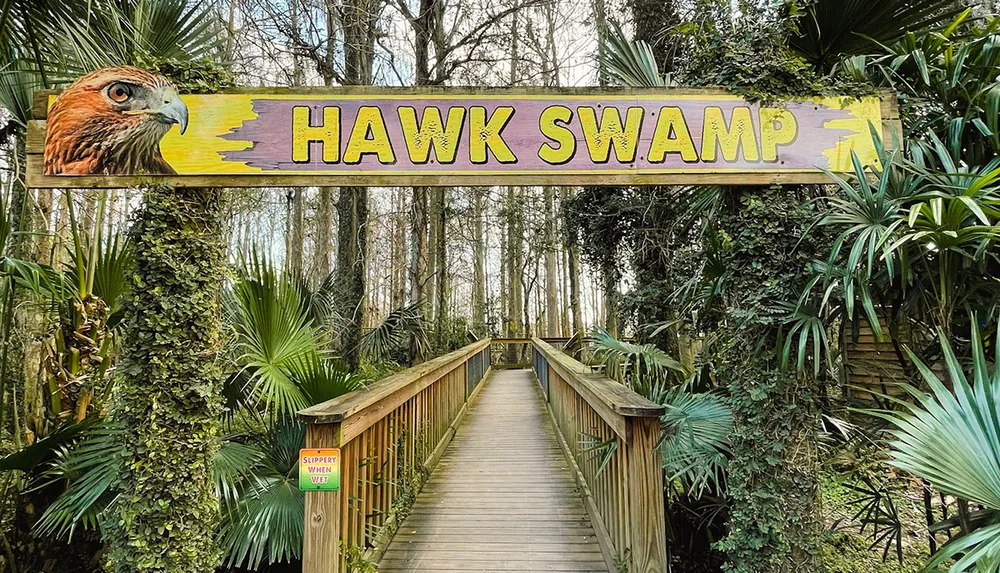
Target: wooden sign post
x=447 y=136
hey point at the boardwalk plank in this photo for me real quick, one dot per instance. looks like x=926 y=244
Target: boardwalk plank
x=502 y=498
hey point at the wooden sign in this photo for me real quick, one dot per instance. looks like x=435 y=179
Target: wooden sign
x=134 y=128
x=319 y=470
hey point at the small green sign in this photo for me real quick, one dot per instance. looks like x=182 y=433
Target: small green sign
x=319 y=470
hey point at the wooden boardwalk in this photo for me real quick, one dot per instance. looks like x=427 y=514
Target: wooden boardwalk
x=502 y=498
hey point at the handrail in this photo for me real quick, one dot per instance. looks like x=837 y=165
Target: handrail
x=610 y=436
x=612 y=401
x=366 y=404
x=391 y=435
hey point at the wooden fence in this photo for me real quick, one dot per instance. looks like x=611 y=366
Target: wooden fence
x=610 y=435
x=391 y=435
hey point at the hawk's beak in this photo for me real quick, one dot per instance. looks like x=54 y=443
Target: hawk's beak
x=174 y=110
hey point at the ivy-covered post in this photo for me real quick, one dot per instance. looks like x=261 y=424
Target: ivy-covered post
x=169 y=398
x=773 y=480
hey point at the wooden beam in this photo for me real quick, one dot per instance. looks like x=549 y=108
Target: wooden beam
x=385 y=395
x=647 y=519
x=321 y=542
x=282 y=171
x=735 y=177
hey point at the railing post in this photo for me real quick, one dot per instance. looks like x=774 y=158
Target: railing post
x=646 y=519
x=321 y=545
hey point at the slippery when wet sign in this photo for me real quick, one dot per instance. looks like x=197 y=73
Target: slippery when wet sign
x=319 y=470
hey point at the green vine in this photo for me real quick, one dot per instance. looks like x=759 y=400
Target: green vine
x=169 y=396
x=773 y=482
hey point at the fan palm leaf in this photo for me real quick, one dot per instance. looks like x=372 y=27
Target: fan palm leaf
x=829 y=30
x=630 y=63
x=951 y=438
x=643 y=367
x=695 y=443
x=274 y=333
x=266 y=524
x=400 y=327
x=91 y=467
x=91 y=463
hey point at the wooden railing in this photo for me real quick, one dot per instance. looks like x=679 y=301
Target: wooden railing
x=516 y=352
x=610 y=436
x=391 y=434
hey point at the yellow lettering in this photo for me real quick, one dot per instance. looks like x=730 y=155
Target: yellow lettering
x=430 y=133
x=610 y=133
x=328 y=133
x=777 y=127
x=487 y=134
x=369 y=136
x=672 y=122
x=738 y=134
x=549 y=125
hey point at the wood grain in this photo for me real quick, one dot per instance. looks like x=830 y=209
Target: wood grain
x=322 y=527
x=612 y=401
x=358 y=408
x=716 y=175
x=502 y=497
x=610 y=435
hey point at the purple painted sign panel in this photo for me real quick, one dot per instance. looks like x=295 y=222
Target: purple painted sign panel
x=550 y=134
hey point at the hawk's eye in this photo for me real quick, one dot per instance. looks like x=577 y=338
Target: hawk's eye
x=119 y=92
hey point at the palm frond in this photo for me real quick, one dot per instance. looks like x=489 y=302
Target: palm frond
x=266 y=523
x=91 y=468
x=403 y=329
x=951 y=438
x=643 y=367
x=234 y=464
x=274 y=333
x=833 y=29
x=630 y=63
x=603 y=450
x=695 y=443
x=323 y=379
x=805 y=325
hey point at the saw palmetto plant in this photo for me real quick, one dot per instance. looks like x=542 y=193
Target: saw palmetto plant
x=951 y=438
x=830 y=30
x=84 y=299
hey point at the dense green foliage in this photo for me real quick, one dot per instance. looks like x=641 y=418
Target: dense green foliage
x=773 y=474
x=951 y=438
x=169 y=400
x=747 y=289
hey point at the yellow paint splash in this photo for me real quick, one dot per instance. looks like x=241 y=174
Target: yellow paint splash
x=864 y=111
x=198 y=150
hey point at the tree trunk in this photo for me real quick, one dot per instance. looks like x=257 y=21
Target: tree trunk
x=515 y=264
x=573 y=270
x=169 y=400
x=418 y=251
x=773 y=481
x=352 y=218
x=298 y=239
x=398 y=298
x=441 y=266
x=433 y=234
x=323 y=227
x=610 y=292
x=479 y=264
x=360 y=29
x=551 y=282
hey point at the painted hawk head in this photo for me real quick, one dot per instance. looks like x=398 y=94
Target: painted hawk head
x=110 y=122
